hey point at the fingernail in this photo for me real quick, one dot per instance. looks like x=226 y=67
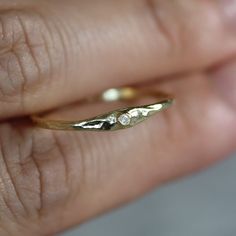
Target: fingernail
x=229 y=11
x=224 y=79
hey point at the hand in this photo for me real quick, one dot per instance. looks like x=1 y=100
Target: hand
x=54 y=53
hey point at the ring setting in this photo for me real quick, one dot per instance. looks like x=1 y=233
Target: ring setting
x=124 y=119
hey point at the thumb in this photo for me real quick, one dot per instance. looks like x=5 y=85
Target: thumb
x=53 y=180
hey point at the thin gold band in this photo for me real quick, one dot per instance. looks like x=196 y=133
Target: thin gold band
x=117 y=119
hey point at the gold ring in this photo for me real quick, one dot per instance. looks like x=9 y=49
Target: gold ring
x=114 y=120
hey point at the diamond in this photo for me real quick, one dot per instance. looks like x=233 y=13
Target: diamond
x=112 y=119
x=124 y=119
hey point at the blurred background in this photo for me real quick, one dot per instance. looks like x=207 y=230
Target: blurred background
x=202 y=205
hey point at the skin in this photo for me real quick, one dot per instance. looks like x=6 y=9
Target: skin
x=54 y=53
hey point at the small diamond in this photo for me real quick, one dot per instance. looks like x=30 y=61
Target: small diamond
x=124 y=119
x=112 y=119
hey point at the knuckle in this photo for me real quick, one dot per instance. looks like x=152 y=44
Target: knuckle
x=24 y=58
x=33 y=176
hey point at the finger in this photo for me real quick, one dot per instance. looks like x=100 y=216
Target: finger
x=52 y=180
x=56 y=52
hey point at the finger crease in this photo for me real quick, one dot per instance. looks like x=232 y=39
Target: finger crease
x=63 y=156
x=11 y=178
x=153 y=9
x=40 y=177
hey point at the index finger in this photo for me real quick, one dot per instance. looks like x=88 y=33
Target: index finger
x=56 y=52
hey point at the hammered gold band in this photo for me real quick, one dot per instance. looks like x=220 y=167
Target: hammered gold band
x=117 y=119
